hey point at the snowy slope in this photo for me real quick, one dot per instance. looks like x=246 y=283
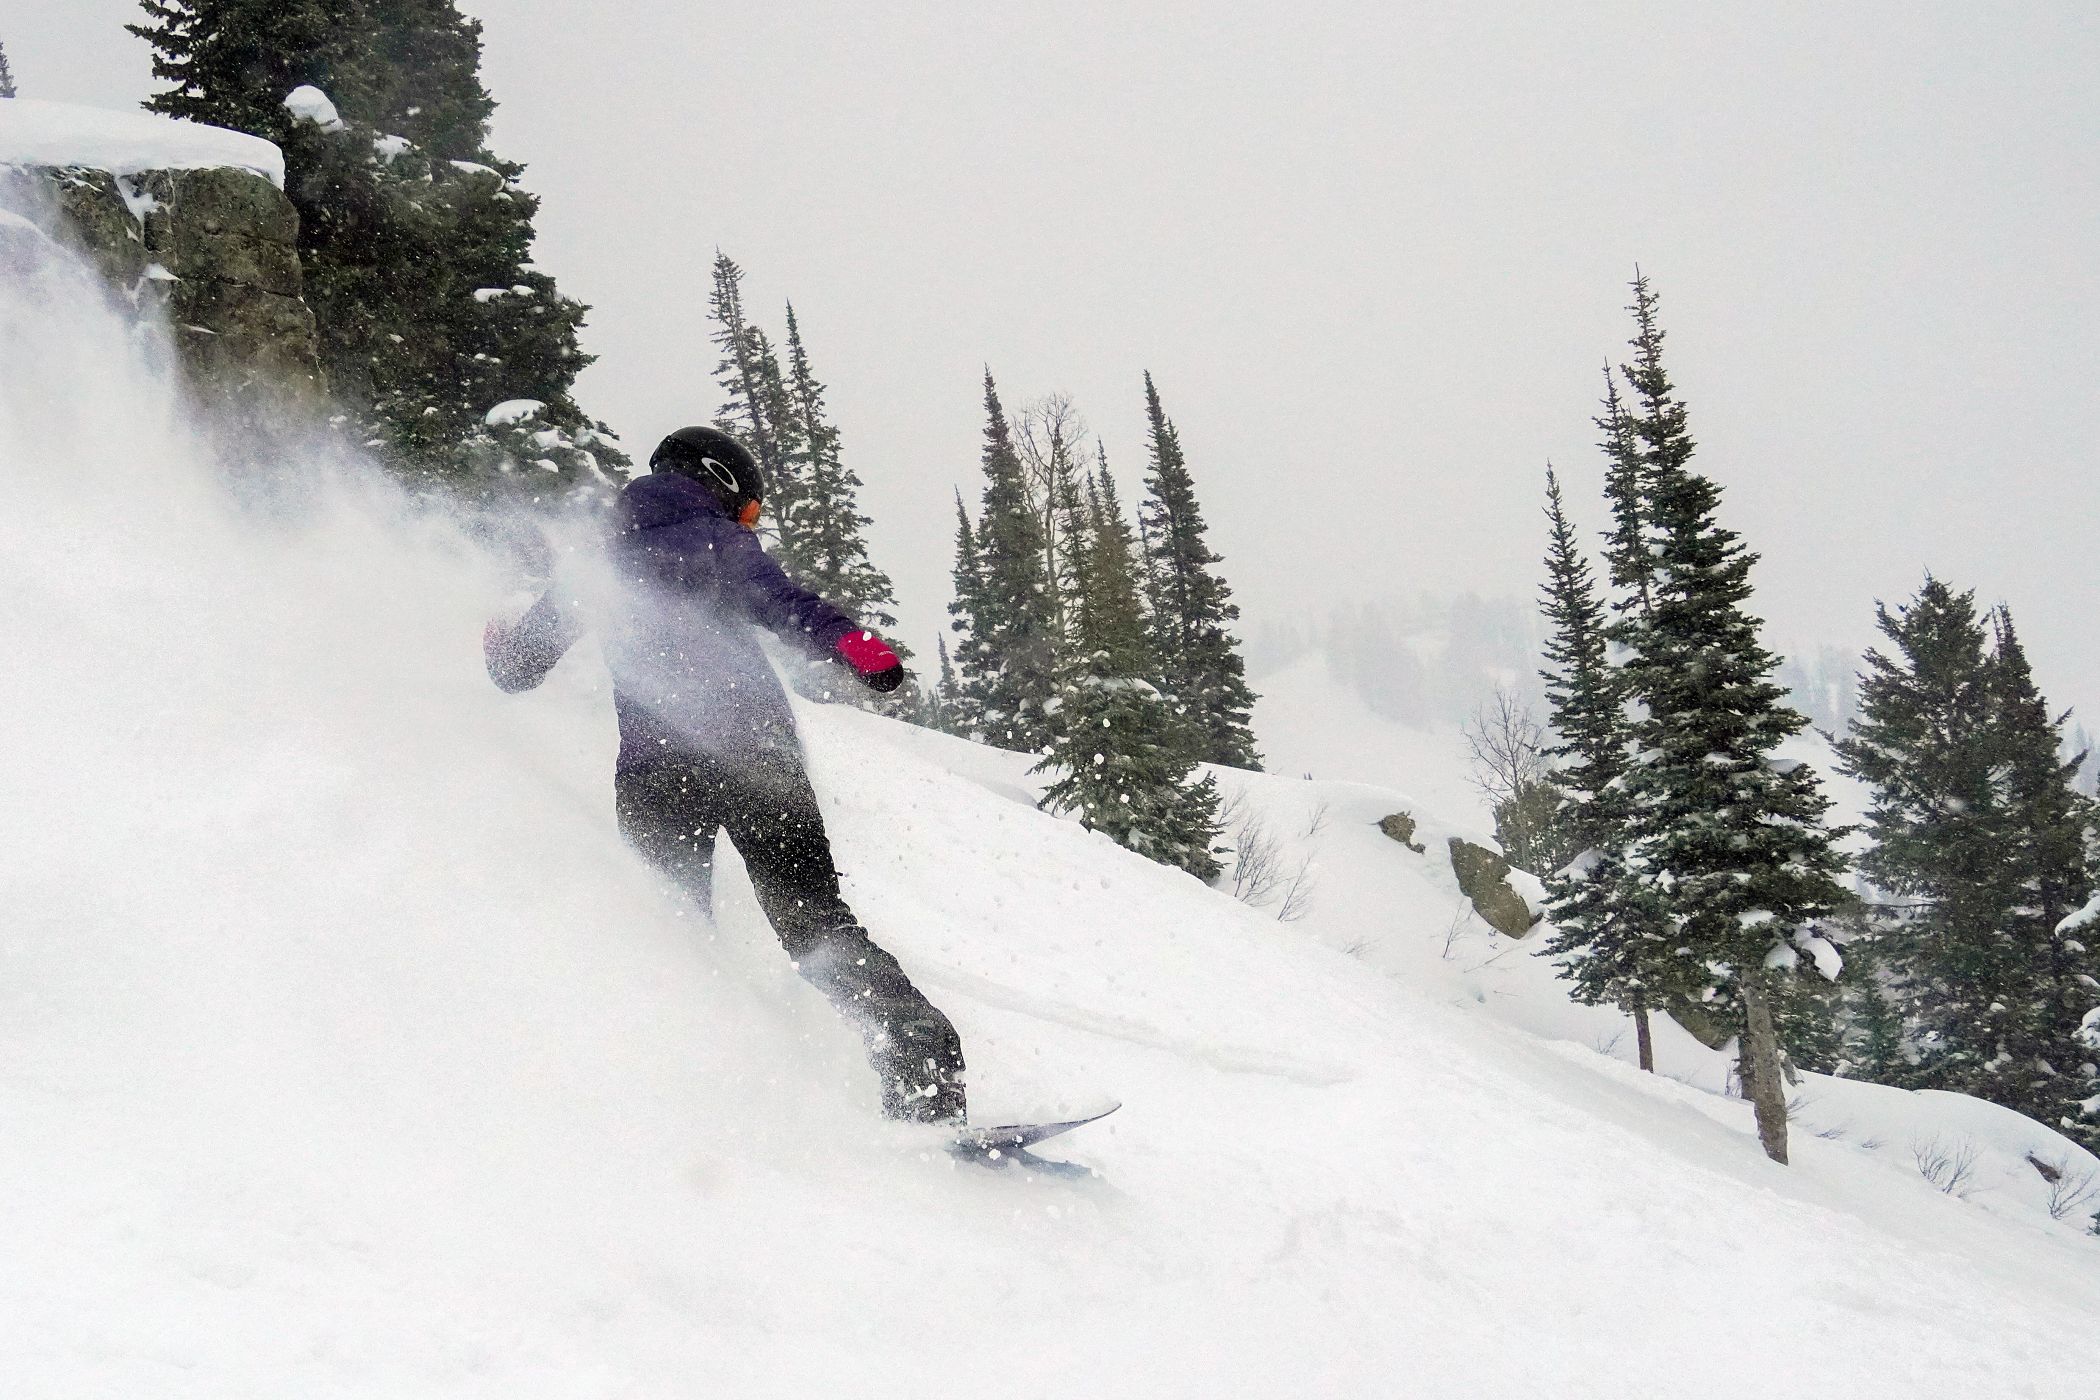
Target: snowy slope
x=1309 y=722
x=345 y=1052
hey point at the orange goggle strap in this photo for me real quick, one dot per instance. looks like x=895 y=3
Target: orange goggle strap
x=748 y=516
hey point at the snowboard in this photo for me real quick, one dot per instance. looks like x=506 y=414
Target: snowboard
x=1007 y=1144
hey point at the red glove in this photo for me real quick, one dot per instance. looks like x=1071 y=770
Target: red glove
x=872 y=660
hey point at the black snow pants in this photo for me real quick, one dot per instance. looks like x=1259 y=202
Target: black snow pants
x=670 y=810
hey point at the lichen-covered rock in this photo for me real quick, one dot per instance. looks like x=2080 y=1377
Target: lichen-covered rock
x=1401 y=827
x=95 y=213
x=223 y=226
x=240 y=340
x=216 y=250
x=1484 y=876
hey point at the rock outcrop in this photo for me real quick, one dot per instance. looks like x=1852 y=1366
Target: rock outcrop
x=1401 y=827
x=184 y=221
x=1482 y=874
x=215 y=250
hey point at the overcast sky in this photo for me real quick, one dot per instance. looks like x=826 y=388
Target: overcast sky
x=1374 y=254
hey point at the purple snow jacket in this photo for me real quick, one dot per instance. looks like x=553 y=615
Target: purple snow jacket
x=686 y=584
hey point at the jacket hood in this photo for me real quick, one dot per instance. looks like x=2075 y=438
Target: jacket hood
x=665 y=498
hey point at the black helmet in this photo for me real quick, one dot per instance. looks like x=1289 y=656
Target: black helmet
x=715 y=460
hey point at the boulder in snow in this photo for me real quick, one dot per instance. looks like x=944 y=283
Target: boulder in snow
x=1484 y=876
x=1401 y=827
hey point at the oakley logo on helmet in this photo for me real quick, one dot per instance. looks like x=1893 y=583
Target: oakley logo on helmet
x=723 y=474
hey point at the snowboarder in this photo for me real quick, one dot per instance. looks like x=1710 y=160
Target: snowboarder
x=707 y=740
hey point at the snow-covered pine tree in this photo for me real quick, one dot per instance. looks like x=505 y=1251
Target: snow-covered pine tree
x=1606 y=945
x=1588 y=713
x=1979 y=843
x=1921 y=744
x=1729 y=841
x=1116 y=746
x=963 y=686
x=415 y=240
x=1628 y=551
x=1193 y=609
x=2051 y=825
x=1010 y=668
x=7 y=74
x=231 y=62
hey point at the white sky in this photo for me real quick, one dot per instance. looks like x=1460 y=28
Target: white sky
x=1375 y=256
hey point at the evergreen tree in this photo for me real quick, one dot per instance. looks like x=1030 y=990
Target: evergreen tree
x=1010 y=668
x=940 y=710
x=1942 y=829
x=835 y=559
x=1608 y=935
x=1193 y=608
x=963 y=687
x=1588 y=713
x=1117 y=744
x=1629 y=551
x=1068 y=542
x=1979 y=837
x=415 y=240
x=2048 y=844
x=231 y=62
x=1730 y=844
x=1918 y=742
x=757 y=410
x=7 y=74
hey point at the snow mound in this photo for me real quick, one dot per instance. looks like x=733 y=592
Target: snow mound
x=309 y=104
x=511 y=410
x=345 y=1051
x=34 y=132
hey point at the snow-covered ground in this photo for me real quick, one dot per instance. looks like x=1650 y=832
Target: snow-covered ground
x=344 y=1051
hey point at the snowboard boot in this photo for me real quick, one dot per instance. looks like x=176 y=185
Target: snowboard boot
x=913 y=1047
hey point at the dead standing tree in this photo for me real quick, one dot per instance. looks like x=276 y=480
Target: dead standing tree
x=1511 y=769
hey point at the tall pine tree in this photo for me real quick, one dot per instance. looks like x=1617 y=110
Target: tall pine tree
x=1728 y=841
x=415 y=240
x=7 y=74
x=1008 y=655
x=1588 y=714
x=834 y=549
x=2048 y=843
x=757 y=410
x=1921 y=742
x=1614 y=937
x=963 y=687
x=1608 y=934
x=1116 y=748
x=1979 y=847
x=1193 y=608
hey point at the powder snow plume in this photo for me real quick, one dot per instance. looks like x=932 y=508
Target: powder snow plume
x=345 y=1051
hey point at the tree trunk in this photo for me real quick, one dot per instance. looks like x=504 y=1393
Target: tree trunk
x=1644 y=1037
x=1759 y=1067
